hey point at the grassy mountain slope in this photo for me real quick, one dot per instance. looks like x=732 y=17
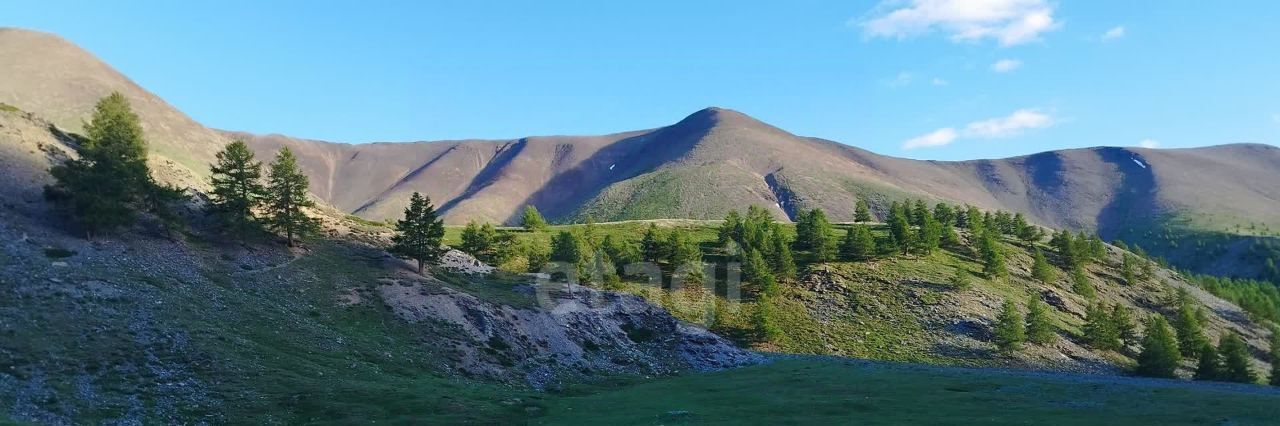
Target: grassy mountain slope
x=700 y=167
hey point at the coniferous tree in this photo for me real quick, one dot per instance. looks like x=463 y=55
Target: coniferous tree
x=1274 y=356
x=1122 y=322
x=861 y=211
x=973 y=220
x=1210 y=365
x=1159 y=356
x=730 y=230
x=287 y=197
x=756 y=270
x=1126 y=269
x=532 y=220
x=1235 y=360
x=478 y=240
x=780 y=257
x=237 y=187
x=900 y=227
x=651 y=245
x=568 y=248
x=103 y=189
x=1041 y=270
x=949 y=236
x=1010 y=330
x=1080 y=283
x=680 y=250
x=858 y=243
x=418 y=235
x=814 y=234
x=944 y=214
x=917 y=211
x=961 y=280
x=1040 y=329
x=993 y=263
x=929 y=237
x=1099 y=329
x=1190 y=331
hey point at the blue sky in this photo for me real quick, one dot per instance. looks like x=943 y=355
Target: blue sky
x=932 y=79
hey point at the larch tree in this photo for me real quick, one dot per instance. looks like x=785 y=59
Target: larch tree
x=419 y=234
x=861 y=211
x=1041 y=270
x=1040 y=328
x=1209 y=367
x=103 y=189
x=1190 y=331
x=287 y=198
x=1236 y=360
x=237 y=191
x=532 y=220
x=858 y=243
x=780 y=257
x=1010 y=329
x=1160 y=355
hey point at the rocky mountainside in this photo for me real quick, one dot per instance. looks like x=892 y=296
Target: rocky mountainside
x=704 y=165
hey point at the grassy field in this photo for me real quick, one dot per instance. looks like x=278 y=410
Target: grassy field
x=836 y=391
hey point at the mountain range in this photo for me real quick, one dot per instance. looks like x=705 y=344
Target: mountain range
x=711 y=162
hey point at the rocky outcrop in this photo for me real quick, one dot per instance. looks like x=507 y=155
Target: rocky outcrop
x=570 y=334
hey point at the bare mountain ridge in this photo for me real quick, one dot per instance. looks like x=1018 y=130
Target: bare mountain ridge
x=713 y=161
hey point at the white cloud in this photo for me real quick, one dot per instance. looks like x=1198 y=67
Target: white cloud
x=1149 y=143
x=1011 y=125
x=903 y=79
x=1009 y=22
x=995 y=128
x=940 y=137
x=940 y=82
x=1113 y=34
x=1006 y=65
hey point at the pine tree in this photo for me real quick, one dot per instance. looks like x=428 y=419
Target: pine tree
x=1210 y=365
x=287 y=197
x=478 y=240
x=929 y=236
x=1126 y=269
x=1122 y=322
x=1010 y=330
x=944 y=214
x=651 y=245
x=102 y=190
x=858 y=243
x=531 y=220
x=1274 y=356
x=814 y=234
x=1190 y=332
x=1040 y=329
x=899 y=227
x=949 y=236
x=418 y=235
x=756 y=271
x=730 y=230
x=1235 y=360
x=861 y=212
x=237 y=187
x=568 y=248
x=1080 y=283
x=780 y=257
x=680 y=250
x=993 y=263
x=1041 y=270
x=1099 y=330
x=1159 y=356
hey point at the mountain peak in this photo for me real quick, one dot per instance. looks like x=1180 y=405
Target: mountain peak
x=711 y=117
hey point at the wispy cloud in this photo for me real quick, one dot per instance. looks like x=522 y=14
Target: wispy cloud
x=940 y=137
x=1113 y=34
x=903 y=79
x=995 y=128
x=1009 y=22
x=1006 y=65
x=940 y=82
x=1011 y=125
x=1149 y=143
